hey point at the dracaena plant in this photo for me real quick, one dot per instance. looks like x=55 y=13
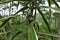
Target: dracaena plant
x=28 y=23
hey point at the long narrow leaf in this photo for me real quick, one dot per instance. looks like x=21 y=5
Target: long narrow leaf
x=55 y=3
x=16 y=34
x=44 y=19
x=56 y=10
x=6 y=2
x=49 y=34
x=24 y=8
x=5 y=22
x=3 y=2
x=32 y=33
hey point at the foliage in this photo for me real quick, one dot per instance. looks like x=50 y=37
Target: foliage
x=32 y=24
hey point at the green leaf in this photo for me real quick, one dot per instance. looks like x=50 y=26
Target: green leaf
x=4 y=18
x=55 y=3
x=49 y=2
x=44 y=19
x=24 y=8
x=56 y=10
x=3 y=2
x=5 y=22
x=16 y=34
x=32 y=33
x=49 y=34
x=1 y=33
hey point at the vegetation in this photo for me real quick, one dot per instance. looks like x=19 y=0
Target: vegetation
x=33 y=21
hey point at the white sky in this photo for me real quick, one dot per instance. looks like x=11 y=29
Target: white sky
x=19 y=7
